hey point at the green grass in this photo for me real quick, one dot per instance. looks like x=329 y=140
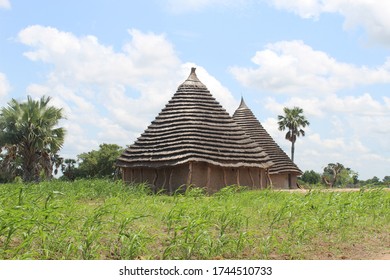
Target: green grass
x=98 y=219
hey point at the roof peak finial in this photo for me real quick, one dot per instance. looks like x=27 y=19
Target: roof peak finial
x=193 y=80
x=242 y=104
x=193 y=77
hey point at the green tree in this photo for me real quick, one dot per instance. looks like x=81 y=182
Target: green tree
x=346 y=177
x=331 y=174
x=100 y=163
x=311 y=177
x=30 y=136
x=373 y=181
x=68 y=168
x=336 y=175
x=386 y=180
x=9 y=163
x=293 y=120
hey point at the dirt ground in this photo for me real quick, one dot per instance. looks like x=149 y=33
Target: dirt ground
x=383 y=256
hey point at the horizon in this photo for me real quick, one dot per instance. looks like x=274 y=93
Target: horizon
x=114 y=66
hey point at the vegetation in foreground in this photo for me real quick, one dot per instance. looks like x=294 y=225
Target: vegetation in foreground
x=99 y=219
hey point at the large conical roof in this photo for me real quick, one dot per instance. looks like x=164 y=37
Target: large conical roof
x=193 y=126
x=247 y=120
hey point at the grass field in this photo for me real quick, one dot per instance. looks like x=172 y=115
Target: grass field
x=98 y=219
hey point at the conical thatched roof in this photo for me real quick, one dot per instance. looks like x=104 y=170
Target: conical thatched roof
x=247 y=120
x=193 y=126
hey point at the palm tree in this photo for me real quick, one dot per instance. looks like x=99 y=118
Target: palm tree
x=293 y=120
x=31 y=128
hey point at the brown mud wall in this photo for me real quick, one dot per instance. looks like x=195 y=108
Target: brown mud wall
x=198 y=174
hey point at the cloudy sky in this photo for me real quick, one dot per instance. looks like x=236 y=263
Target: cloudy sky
x=113 y=65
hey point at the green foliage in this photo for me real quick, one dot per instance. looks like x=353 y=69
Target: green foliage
x=68 y=168
x=375 y=181
x=337 y=175
x=386 y=181
x=229 y=191
x=311 y=177
x=29 y=138
x=102 y=219
x=100 y=163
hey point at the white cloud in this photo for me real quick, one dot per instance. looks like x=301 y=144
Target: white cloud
x=294 y=67
x=328 y=150
x=191 y=5
x=338 y=144
x=4 y=86
x=364 y=105
x=311 y=106
x=352 y=130
x=372 y=15
x=221 y=93
x=109 y=96
x=350 y=151
x=303 y=8
x=179 y=6
x=85 y=60
x=77 y=140
x=315 y=151
x=5 y=4
x=355 y=117
x=361 y=105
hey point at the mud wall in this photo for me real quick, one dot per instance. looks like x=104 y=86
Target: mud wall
x=198 y=174
x=281 y=181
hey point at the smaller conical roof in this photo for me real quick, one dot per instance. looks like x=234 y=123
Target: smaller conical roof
x=247 y=120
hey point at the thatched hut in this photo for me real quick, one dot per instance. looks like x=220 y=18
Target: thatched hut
x=284 y=172
x=194 y=141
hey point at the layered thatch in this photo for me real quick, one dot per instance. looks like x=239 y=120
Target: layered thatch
x=194 y=127
x=247 y=120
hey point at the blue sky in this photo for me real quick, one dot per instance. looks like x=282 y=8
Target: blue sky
x=113 y=65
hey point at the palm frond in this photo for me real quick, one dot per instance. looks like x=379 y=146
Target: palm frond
x=33 y=127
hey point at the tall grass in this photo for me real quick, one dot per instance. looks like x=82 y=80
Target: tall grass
x=98 y=219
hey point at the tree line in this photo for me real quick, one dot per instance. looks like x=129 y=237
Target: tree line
x=94 y=164
x=336 y=175
x=30 y=141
